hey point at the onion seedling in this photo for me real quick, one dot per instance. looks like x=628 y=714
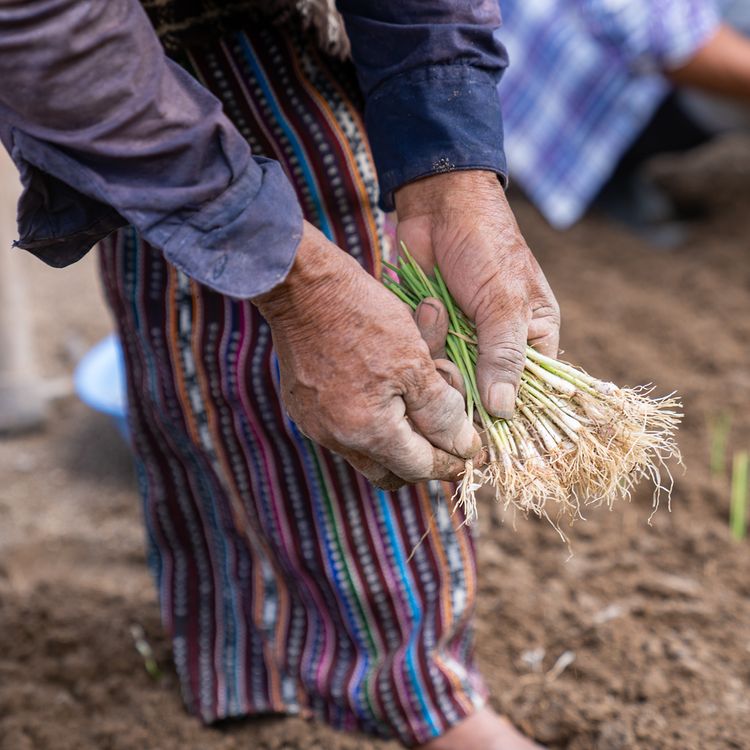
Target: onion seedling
x=573 y=440
x=720 y=427
x=738 y=506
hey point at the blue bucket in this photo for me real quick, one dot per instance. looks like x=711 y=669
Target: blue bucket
x=99 y=381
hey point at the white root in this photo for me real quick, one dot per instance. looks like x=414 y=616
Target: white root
x=569 y=447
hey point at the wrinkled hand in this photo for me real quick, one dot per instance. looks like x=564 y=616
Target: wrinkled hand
x=356 y=375
x=461 y=221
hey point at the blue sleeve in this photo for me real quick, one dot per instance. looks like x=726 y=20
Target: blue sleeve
x=429 y=72
x=105 y=130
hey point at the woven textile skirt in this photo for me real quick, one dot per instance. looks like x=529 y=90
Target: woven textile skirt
x=284 y=576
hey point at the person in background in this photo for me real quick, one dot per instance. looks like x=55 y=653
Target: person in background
x=598 y=87
x=232 y=176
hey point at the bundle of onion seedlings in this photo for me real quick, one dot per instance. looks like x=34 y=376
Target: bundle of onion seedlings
x=573 y=440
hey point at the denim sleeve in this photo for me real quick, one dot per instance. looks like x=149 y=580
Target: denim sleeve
x=105 y=131
x=429 y=72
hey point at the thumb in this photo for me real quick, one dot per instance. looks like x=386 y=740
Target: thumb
x=501 y=339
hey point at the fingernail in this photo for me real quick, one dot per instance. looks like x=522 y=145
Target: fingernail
x=428 y=314
x=502 y=400
x=468 y=442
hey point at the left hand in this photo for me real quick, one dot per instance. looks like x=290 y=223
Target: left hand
x=461 y=222
x=357 y=376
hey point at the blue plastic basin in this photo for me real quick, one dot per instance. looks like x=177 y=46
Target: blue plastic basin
x=99 y=381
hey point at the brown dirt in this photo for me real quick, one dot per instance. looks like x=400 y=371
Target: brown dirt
x=656 y=619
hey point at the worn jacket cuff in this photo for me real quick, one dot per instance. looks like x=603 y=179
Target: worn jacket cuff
x=446 y=117
x=243 y=243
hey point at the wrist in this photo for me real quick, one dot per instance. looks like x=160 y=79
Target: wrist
x=313 y=268
x=322 y=280
x=448 y=191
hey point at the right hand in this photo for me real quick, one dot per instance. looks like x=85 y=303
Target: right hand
x=356 y=375
x=461 y=222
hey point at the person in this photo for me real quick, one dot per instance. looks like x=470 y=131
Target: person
x=235 y=173
x=598 y=88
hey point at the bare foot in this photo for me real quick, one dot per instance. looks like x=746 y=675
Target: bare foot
x=484 y=730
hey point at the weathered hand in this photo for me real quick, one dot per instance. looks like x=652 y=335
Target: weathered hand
x=356 y=375
x=461 y=221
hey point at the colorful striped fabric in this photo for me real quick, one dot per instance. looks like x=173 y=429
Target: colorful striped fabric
x=284 y=576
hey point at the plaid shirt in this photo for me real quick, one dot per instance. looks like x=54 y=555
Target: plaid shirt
x=582 y=83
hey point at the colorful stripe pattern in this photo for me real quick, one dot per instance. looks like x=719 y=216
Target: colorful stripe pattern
x=284 y=576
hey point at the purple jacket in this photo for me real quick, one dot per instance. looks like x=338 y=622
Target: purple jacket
x=106 y=130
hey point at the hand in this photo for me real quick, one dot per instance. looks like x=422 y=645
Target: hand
x=461 y=221
x=356 y=375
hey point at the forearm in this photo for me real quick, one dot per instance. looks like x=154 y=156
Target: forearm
x=722 y=66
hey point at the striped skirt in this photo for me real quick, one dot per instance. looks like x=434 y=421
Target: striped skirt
x=284 y=577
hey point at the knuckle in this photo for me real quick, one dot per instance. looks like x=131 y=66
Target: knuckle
x=356 y=429
x=441 y=420
x=453 y=404
x=501 y=298
x=506 y=356
x=449 y=373
x=378 y=443
x=548 y=309
x=436 y=403
x=416 y=374
x=515 y=298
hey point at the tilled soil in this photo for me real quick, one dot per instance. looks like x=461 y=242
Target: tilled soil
x=641 y=640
